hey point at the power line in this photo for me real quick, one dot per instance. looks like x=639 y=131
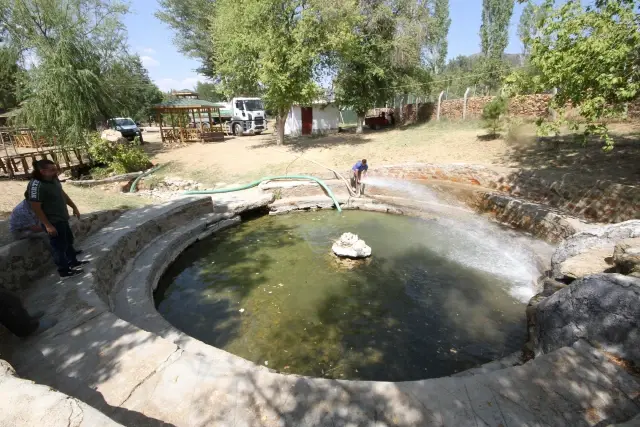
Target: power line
x=448 y=80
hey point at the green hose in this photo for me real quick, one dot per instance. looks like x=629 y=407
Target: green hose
x=272 y=178
x=149 y=172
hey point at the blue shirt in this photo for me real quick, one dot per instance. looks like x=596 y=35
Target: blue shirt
x=22 y=217
x=360 y=167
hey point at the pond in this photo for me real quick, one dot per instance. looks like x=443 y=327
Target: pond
x=436 y=297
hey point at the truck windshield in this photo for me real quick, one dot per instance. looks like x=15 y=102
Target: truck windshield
x=253 y=105
x=123 y=122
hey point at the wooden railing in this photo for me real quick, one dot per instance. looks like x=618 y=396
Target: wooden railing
x=21 y=164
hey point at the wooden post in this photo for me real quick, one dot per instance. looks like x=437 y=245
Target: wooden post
x=439 y=102
x=193 y=117
x=55 y=159
x=180 y=126
x=14 y=164
x=67 y=161
x=8 y=169
x=173 y=126
x=159 y=119
x=78 y=156
x=464 y=105
x=25 y=166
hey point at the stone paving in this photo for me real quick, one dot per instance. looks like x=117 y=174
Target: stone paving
x=111 y=351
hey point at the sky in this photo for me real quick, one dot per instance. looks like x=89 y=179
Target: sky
x=169 y=69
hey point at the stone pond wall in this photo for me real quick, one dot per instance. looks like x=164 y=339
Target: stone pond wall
x=599 y=201
x=24 y=261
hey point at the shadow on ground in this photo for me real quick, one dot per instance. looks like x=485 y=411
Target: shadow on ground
x=304 y=143
x=554 y=158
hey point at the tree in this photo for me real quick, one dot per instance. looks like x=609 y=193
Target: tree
x=70 y=44
x=492 y=115
x=133 y=93
x=210 y=92
x=277 y=53
x=592 y=55
x=437 y=46
x=10 y=73
x=528 y=26
x=364 y=67
x=190 y=19
x=65 y=93
x=494 y=37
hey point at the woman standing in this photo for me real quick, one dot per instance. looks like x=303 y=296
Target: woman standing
x=49 y=202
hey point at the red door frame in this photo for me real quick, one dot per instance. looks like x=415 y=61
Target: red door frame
x=307 y=120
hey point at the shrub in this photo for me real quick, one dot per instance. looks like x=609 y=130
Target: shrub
x=492 y=115
x=118 y=158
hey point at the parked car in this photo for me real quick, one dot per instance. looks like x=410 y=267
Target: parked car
x=127 y=127
x=377 y=122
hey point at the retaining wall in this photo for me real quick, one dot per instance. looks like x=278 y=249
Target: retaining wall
x=23 y=261
x=599 y=201
x=525 y=106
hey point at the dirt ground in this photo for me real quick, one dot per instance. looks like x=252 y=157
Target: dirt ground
x=246 y=158
x=251 y=157
x=239 y=160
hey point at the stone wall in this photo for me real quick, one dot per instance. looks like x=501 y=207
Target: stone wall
x=541 y=221
x=23 y=261
x=599 y=201
x=524 y=106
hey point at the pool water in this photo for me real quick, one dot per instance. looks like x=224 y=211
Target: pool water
x=435 y=298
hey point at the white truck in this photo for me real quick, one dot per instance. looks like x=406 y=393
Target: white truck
x=244 y=116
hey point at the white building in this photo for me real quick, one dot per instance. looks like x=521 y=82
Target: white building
x=319 y=118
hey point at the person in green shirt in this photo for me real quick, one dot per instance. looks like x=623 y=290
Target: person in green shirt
x=49 y=202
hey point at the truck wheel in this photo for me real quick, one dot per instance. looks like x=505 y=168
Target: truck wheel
x=237 y=129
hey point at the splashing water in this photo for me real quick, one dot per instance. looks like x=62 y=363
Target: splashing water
x=516 y=261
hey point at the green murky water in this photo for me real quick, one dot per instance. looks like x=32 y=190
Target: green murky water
x=433 y=300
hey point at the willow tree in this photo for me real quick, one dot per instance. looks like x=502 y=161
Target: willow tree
x=68 y=43
x=275 y=46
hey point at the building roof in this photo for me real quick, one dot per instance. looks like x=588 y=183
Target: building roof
x=186 y=103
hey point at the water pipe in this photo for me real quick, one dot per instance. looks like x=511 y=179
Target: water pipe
x=336 y=173
x=271 y=178
x=149 y=172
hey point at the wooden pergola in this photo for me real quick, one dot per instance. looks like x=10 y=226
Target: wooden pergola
x=190 y=120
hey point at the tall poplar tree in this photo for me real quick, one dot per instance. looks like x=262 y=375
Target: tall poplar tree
x=494 y=38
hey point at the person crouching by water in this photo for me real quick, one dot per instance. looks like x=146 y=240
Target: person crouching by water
x=359 y=172
x=23 y=222
x=49 y=202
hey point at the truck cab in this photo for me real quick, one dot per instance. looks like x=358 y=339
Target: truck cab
x=248 y=117
x=126 y=126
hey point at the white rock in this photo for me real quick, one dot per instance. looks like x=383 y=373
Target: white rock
x=350 y=246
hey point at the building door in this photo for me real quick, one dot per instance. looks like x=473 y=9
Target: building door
x=307 y=120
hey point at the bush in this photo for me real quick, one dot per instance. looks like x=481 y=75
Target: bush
x=118 y=158
x=492 y=115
